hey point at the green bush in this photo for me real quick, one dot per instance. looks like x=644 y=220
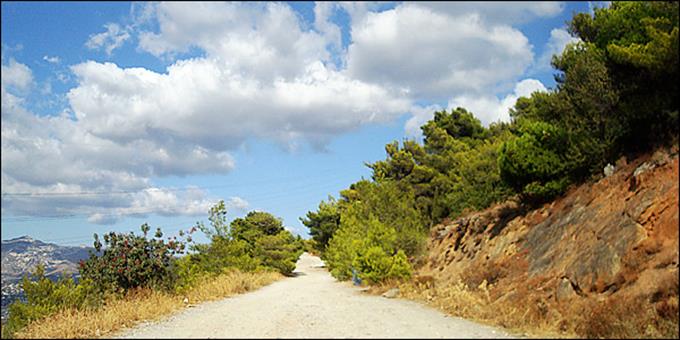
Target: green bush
x=279 y=251
x=131 y=261
x=375 y=265
x=44 y=297
x=535 y=162
x=257 y=241
x=379 y=228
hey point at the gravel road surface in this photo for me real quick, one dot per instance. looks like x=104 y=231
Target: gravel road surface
x=311 y=305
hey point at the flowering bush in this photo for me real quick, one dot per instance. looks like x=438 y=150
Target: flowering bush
x=130 y=261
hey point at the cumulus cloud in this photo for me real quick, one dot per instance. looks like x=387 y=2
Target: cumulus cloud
x=166 y=202
x=16 y=75
x=260 y=73
x=499 y=12
x=487 y=108
x=200 y=100
x=491 y=109
x=54 y=166
x=111 y=39
x=261 y=40
x=432 y=55
x=331 y=31
x=237 y=203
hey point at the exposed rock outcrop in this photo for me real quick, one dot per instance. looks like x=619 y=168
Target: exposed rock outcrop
x=616 y=238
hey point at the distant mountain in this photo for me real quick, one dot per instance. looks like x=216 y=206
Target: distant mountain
x=21 y=255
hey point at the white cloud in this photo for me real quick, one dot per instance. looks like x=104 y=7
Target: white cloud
x=166 y=202
x=357 y=10
x=330 y=31
x=260 y=40
x=237 y=203
x=559 y=38
x=104 y=219
x=113 y=38
x=419 y=116
x=60 y=160
x=16 y=75
x=491 y=109
x=262 y=74
x=434 y=55
x=203 y=101
x=499 y=12
x=52 y=60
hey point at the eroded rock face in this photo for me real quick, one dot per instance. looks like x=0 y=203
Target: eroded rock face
x=614 y=237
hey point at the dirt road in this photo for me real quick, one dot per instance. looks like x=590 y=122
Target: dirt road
x=311 y=305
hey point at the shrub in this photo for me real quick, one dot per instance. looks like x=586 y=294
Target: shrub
x=535 y=164
x=257 y=241
x=375 y=265
x=279 y=251
x=379 y=228
x=44 y=297
x=130 y=261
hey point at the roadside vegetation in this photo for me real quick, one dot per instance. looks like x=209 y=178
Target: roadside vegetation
x=616 y=95
x=130 y=277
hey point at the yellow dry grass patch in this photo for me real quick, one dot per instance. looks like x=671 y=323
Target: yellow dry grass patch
x=141 y=305
x=613 y=318
x=475 y=304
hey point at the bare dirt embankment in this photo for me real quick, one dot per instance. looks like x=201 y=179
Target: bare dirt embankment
x=601 y=261
x=312 y=305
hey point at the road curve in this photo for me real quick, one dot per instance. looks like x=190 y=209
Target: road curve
x=311 y=305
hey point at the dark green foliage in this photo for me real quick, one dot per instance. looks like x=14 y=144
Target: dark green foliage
x=255 y=225
x=323 y=223
x=279 y=251
x=639 y=41
x=535 y=162
x=616 y=94
x=477 y=180
x=45 y=297
x=382 y=224
x=458 y=123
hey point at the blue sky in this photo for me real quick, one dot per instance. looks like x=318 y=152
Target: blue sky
x=115 y=114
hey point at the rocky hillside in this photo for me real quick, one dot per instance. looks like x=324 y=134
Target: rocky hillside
x=600 y=261
x=21 y=255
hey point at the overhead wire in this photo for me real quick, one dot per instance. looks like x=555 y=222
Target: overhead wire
x=117 y=192
x=324 y=184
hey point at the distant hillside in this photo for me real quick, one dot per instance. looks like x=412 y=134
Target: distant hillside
x=21 y=255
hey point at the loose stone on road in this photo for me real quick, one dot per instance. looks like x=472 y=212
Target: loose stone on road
x=312 y=305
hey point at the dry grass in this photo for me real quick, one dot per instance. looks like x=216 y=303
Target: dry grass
x=615 y=317
x=229 y=284
x=476 y=304
x=141 y=305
